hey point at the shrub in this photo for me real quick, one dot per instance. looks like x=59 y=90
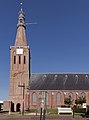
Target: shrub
x=80 y=100
x=68 y=101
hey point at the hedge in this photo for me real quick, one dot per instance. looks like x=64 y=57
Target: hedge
x=79 y=110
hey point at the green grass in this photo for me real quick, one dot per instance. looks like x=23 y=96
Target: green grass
x=49 y=111
x=77 y=111
x=52 y=111
x=31 y=111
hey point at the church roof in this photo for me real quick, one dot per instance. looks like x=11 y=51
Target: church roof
x=59 y=82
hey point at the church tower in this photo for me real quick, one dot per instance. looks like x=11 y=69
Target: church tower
x=19 y=65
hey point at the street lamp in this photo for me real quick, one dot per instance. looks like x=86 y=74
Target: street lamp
x=23 y=86
x=44 y=97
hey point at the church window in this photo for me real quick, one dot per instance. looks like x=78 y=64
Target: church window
x=58 y=98
x=19 y=59
x=34 y=98
x=47 y=98
x=14 y=59
x=24 y=59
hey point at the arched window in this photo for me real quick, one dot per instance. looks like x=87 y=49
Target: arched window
x=34 y=98
x=58 y=98
x=14 y=59
x=47 y=98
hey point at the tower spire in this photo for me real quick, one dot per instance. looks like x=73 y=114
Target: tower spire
x=21 y=36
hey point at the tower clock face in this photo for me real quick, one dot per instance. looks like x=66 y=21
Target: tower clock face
x=19 y=51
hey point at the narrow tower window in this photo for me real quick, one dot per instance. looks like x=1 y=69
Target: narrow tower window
x=24 y=59
x=20 y=20
x=34 y=98
x=19 y=59
x=14 y=59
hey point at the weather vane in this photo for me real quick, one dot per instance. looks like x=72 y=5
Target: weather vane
x=32 y=23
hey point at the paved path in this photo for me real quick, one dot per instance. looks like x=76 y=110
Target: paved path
x=28 y=117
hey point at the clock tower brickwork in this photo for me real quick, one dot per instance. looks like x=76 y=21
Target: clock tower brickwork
x=19 y=66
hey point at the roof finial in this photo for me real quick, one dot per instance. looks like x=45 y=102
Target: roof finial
x=21 y=5
x=21 y=17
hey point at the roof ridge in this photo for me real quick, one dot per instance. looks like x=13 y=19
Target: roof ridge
x=62 y=73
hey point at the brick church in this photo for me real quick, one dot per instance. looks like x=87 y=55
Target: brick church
x=32 y=91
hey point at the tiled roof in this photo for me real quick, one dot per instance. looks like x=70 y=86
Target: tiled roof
x=59 y=82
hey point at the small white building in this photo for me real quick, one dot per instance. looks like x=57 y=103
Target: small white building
x=1 y=105
x=1 y=102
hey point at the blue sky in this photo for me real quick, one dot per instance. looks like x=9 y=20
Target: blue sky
x=59 y=42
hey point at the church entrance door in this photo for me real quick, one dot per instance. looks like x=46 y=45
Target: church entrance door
x=18 y=107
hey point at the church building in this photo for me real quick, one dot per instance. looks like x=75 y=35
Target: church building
x=32 y=91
